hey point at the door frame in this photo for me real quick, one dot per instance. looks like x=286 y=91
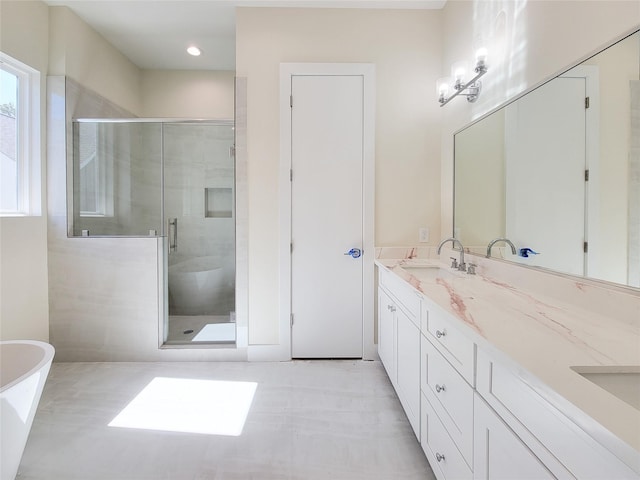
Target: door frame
x=367 y=71
x=591 y=75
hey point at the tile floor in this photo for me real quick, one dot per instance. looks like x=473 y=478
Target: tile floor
x=308 y=420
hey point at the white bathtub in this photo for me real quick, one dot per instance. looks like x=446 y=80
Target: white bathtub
x=24 y=366
x=196 y=286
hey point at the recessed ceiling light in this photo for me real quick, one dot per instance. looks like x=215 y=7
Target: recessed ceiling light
x=193 y=50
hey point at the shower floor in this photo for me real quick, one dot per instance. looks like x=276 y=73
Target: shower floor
x=198 y=329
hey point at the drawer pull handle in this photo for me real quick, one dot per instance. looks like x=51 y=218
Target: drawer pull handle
x=391 y=308
x=439 y=457
x=439 y=388
x=440 y=334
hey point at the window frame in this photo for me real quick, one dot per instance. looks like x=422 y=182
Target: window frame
x=103 y=172
x=28 y=153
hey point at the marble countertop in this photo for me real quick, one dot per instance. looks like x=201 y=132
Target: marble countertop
x=546 y=337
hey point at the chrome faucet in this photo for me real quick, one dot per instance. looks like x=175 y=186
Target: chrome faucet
x=461 y=265
x=495 y=240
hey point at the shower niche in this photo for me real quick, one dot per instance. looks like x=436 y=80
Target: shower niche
x=173 y=181
x=218 y=202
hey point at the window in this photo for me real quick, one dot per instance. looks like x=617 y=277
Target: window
x=20 y=185
x=92 y=177
x=93 y=165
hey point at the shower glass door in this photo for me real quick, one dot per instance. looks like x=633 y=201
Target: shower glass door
x=199 y=222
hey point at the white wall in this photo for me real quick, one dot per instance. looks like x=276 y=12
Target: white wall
x=405 y=48
x=480 y=182
x=24 y=309
x=79 y=52
x=533 y=40
x=187 y=94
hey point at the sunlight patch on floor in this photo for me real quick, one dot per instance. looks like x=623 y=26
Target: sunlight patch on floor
x=217 y=332
x=208 y=407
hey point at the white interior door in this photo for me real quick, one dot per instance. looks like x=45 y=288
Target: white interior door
x=545 y=170
x=327 y=151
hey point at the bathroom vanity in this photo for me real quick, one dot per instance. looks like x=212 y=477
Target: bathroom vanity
x=503 y=381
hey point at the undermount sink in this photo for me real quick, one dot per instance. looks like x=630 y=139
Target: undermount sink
x=419 y=267
x=621 y=382
x=427 y=272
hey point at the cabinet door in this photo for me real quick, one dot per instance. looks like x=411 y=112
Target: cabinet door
x=408 y=368
x=498 y=452
x=387 y=334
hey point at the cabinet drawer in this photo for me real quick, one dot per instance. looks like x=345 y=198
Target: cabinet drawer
x=456 y=347
x=408 y=299
x=550 y=434
x=450 y=396
x=445 y=459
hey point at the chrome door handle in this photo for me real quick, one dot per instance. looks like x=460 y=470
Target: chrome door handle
x=354 y=253
x=173 y=234
x=439 y=388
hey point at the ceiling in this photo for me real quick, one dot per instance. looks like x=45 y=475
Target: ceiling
x=155 y=34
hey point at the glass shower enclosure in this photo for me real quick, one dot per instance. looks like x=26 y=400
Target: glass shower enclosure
x=174 y=180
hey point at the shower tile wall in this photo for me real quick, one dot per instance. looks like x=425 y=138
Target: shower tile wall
x=144 y=172
x=104 y=292
x=209 y=165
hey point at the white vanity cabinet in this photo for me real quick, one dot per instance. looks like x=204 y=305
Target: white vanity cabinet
x=479 y=414
x=399 y=309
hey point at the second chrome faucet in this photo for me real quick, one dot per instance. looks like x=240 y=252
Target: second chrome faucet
x=496 y=240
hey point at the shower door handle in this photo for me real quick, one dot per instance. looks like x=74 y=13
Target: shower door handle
x=173 y=234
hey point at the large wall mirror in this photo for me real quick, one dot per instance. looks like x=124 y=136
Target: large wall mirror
x=558 y=171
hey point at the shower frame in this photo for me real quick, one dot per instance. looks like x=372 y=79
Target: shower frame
x=163 y=243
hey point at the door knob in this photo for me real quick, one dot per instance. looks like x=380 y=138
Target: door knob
x=354 y=253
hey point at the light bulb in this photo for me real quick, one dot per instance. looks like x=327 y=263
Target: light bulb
x=481 y=55
x=442 y=88
x=481 y=59
x=459 y=71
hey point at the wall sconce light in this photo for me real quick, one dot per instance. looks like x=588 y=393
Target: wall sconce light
x=471 y=88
